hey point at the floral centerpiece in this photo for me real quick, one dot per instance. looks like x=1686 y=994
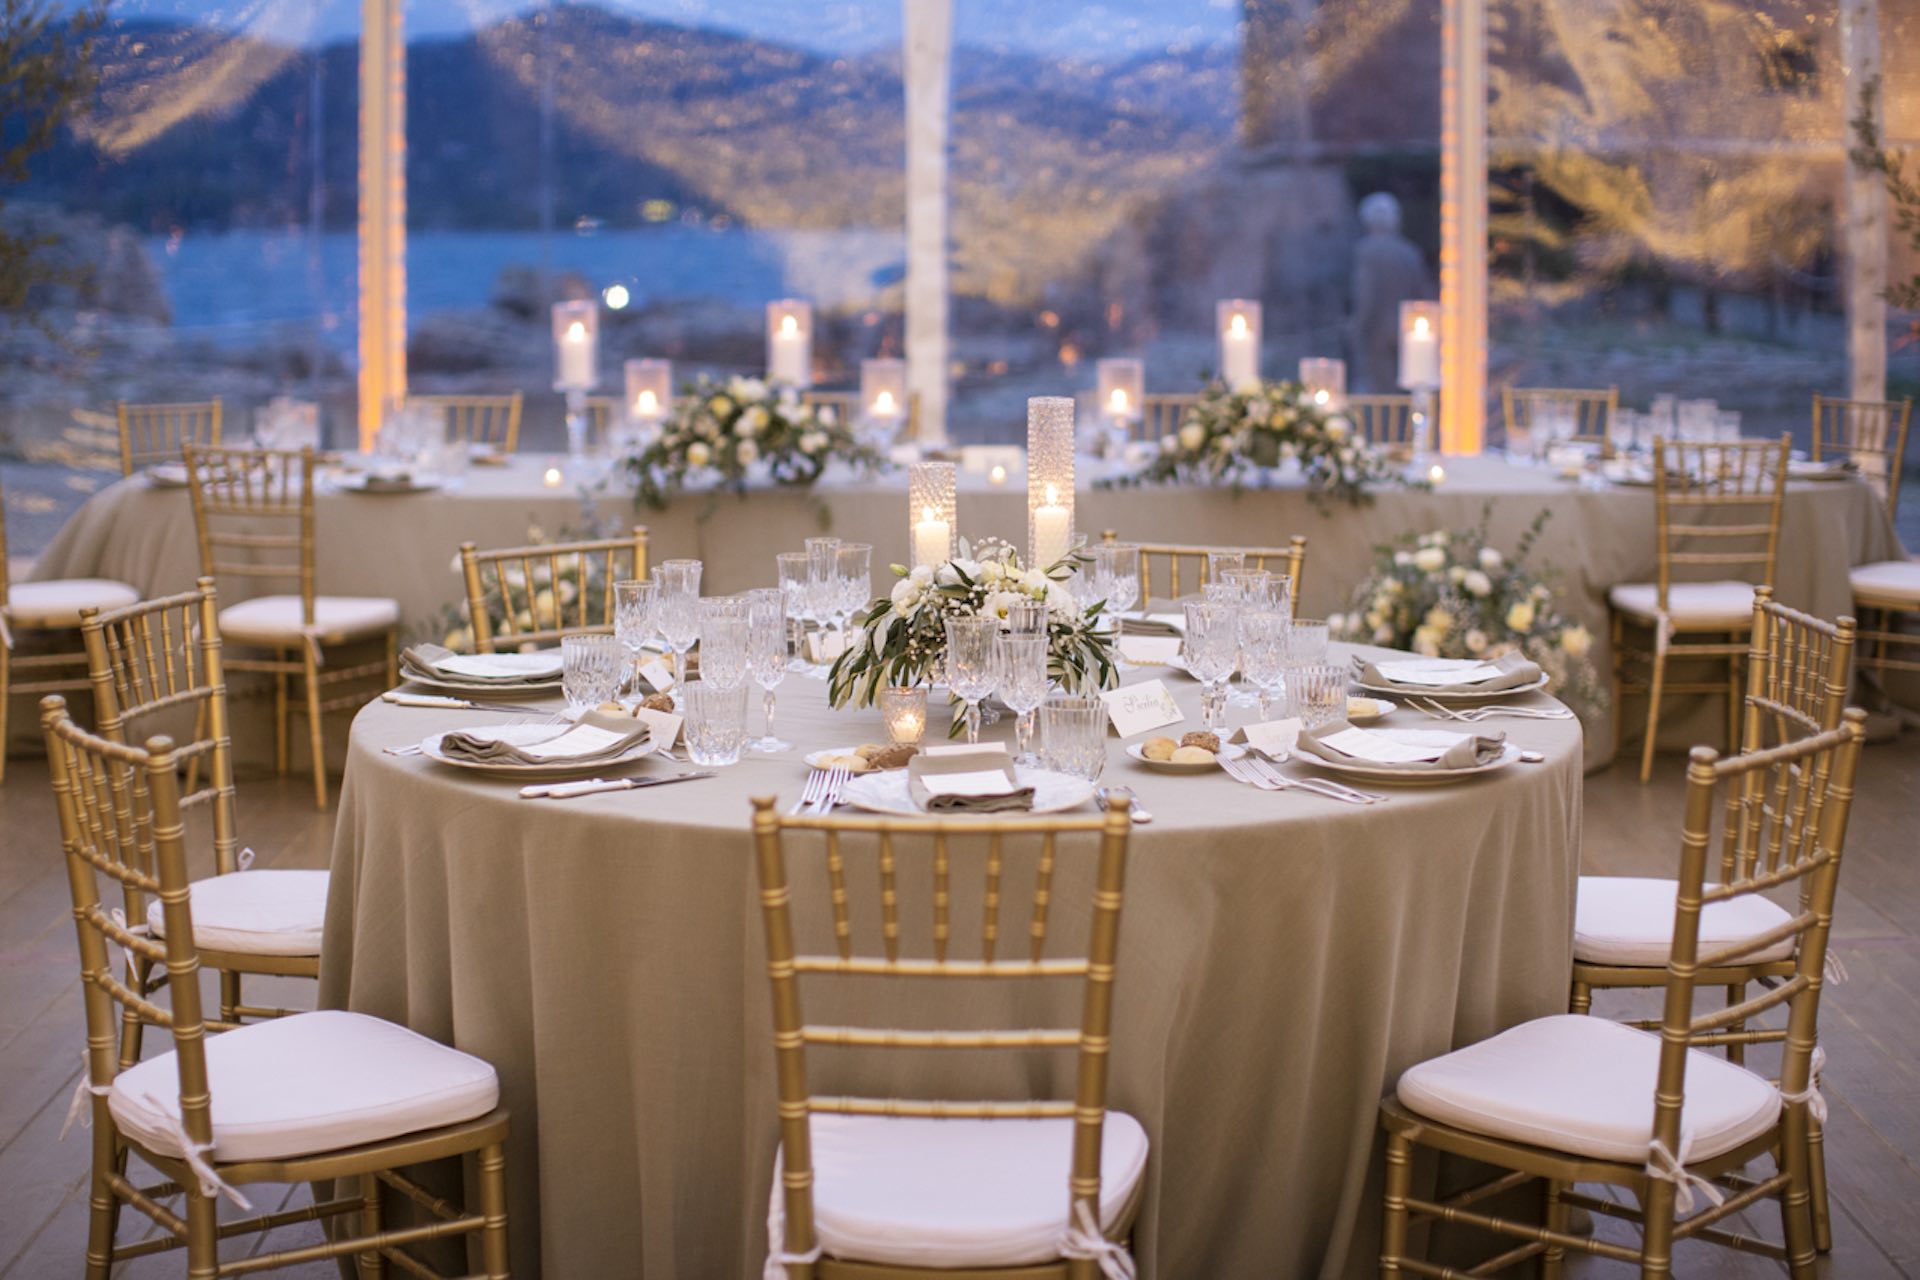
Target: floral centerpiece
x=901 y=638
x=1229 y=436
x=1451 y=594
x=726 y=429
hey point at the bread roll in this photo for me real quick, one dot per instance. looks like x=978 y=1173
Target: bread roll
x=1193 y=755
x=1159 y=748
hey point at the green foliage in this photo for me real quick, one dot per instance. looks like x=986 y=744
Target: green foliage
x=1902 y=190
x=46 y=79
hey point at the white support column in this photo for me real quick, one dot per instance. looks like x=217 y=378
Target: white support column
x=1864 y=242
x=1463 y=226
x=383 y=211
x=928 y=69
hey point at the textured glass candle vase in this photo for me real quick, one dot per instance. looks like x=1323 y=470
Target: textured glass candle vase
x=905 y=711
x=933 y=512
x=1049 y=479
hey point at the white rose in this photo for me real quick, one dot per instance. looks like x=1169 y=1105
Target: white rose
x=698 y=454
x=1338 y=429
x=1426 y=642
x=969 y=567
x=1192 y=436
x=813 y=442
x=1403 y=558
x=947 y=575
x=826 y=415
x=750 y=388
x=1479 y=584
x=1576 y=640
x=752 y=422
x=1520 y=616
x=1060 y=600
x=748 y=452
x=1476 y=640
x=922 y=576
x=1383 y=634
x=1169 y=444
x=1491 y=560
x=1456 y=574
x=906 y=594
x=1438 y=619
x=1429 y=559
x=992 y=571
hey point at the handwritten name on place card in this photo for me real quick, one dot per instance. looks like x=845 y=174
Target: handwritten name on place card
x=1137 y=708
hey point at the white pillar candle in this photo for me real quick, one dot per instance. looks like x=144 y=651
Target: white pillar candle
x=1052 y=530
x=1419 y=345
x=930 y=538
x=576 y=345
x=1240 y=343
x=790 y=343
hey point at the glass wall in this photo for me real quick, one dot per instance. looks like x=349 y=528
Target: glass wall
x=686 y=161
x=189 y=237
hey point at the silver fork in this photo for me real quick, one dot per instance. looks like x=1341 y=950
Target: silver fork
x=836 y=784
x=1474 y=715
x=815 y=788
x=1265 y=769
x=1243 y=769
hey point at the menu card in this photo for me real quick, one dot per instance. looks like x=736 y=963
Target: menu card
x=1399 y=746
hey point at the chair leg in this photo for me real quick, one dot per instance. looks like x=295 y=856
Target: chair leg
x=203 y=1235
x=393 y=658
x=1736 y=1051
x=1817 y=1186
x=316 y=730
x=6 y=698
x=1656 y=1237
x=1735 y=694
x=280 y=747
x=229 y=996
x=1393 y=1238
x=1654 y=690
x=1619 y=638
x=1796 y=1212
x=372 y=1264
x=103 y=1207
x=1553 y=1216
x=1580 y=1000
x=493 y=1207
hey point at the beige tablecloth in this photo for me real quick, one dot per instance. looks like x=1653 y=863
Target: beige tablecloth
x=403 y=546
x=1282 y=959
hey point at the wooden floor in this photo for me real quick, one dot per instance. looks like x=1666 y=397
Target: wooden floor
x=1870 y=1025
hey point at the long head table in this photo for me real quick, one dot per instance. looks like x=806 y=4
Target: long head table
x=1282 y=958
x=403 y=546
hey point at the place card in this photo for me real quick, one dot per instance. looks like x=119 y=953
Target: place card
x=663 y=726
x=1149 y=651
x=1270 y=737
x=1136 y=708
x=657 y=675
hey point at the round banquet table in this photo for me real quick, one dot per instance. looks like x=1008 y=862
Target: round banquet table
x=1282 y=958
x=402 y=546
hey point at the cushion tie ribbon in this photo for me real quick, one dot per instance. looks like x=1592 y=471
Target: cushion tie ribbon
x=1662 y=1166
x=1084 y=1240
x=1811 y=1094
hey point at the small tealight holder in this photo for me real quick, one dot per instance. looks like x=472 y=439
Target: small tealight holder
x=905 y=713
x=1049 y=479
x=649 y=390
x=790 y=343
x=1325 y=382
x=883 y=391
x=933 y=512
x=1122 y=388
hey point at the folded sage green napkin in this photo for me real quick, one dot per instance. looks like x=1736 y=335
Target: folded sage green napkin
x=1155 y=624
x=1447 y=675
x=595 y=739
x=979 y=779
x=479 y=669
x=1409 y=750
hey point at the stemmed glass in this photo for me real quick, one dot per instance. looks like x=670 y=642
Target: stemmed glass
x=1212 y=648
x=823 y=583
x=723 y=642
x=793 y=568
x=1263 y=652
x=634 y=601
x=970 y=665
x=767 y=656
x=854 y=579
x=1022 y=685
x=677 y=609
x=1115 y=578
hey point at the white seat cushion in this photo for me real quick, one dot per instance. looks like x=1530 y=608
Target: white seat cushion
x=1585 y=1086
x=1692 y=604
x=1889 y=579
x=1628 y=920
x=256 y=913
x=308 y=1083
x=58 y=603
x=959 y=1193
x=276 y=619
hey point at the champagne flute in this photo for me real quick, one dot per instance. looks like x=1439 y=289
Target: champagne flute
x=677 y=608
x=767 y=657
x=970 y=665
x=634 y=601
x=1022 y=685
x=793 y=568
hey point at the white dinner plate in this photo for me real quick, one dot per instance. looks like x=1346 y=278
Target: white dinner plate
x=430 y=748
x=1798 y=470
x=1137 y=751
x=886 y=792
x=1454 y=695
x=1363 y=710
x=1365 y=772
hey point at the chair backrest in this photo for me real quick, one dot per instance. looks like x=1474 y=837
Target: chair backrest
x=1290 y=560
x=1385 y=422
x=253 y=515
x=532 y=594
x=1766 y=845
x=119 y=812
x=163 y=656
x=6 y=574
x=1592 y=410
x=493 y=421
x=1160 y=415
x=993 y=846
x=1717 y=509
x=1873 y=433
x=152 y=433
x=1799 y=669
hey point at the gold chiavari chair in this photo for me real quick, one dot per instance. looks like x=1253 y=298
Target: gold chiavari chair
x=1384 y=422
x=491 y=421
x=532 y=595
x=1160 y=415
x=1290 y=560
x=253 y=515
x=152 y=433
x=1562 y=1100
x=1716 y=507
x=43 y=614
x=328 y=1096
x=1592 y=412
x=162 y=658
x=1886 y=594
x=840 y=1156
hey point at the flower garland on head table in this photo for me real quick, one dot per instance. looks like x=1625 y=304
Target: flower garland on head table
x=727 y=429
x=1451 y=594
x=901 y=638
x=1229 y=436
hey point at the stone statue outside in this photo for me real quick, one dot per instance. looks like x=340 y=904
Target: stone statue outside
x=1387 y=270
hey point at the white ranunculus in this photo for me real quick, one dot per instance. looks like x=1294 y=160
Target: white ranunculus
x=719 y=405
x=753 y=422
x=1491 y=560
x=1478 y=583
x=1576 y=640
x=1456 y=574
x=1476 y=641
x=1192 y=436
x=1429 y=559
x=1520 y=616
x=748 y=452
x=698 y=454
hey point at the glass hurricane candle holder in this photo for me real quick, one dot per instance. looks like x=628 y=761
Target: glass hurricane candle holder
x=905 y=713
x=883 y=391
x=576 y=345
x=649 y=390
x=1122 y=388
x=1324 y=381
x=790 y=342
x=1239 y=324
x=1049 y=479
x=1419 y=345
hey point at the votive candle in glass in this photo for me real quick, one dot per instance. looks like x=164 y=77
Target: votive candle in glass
x=905 y=713
x=1419 y=345
x=883 y=391
x=649 y=390
x=1325 y=382
x=1121 y=388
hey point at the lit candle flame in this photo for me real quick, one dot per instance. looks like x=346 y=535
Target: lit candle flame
x=883 y=403
x=998 y=475
x=576 y=332
x=927 y=515
x=1437 y=473
x=1118 y=400
x=1053 y=495
x=1420 y=326
x=1321 y=396
x=647 y=402
x=789 y=326
x=1237 y=326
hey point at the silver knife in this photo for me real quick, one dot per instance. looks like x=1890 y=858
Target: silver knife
x=593 y=786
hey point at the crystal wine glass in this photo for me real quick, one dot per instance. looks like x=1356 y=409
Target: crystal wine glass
x=1022 y=685
x=854 y=577
x=970 y=665
x=1263 y=653
x=1124 y=591
x=793 y=568
x=677 y=609
x=1212 y=649
x=723 y=642
x=767 y=656
x=633 y=609
x=823 y=583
